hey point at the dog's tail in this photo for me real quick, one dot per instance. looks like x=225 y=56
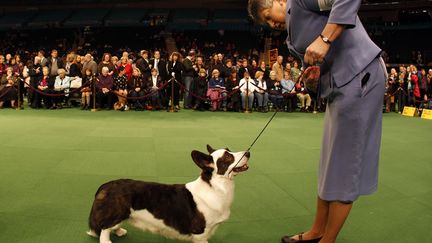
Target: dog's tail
x=95 y=229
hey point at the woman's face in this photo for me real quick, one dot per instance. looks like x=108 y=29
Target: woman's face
x=9 y=72
x=275 y=16
x=124 y=60
x=202 y=74
x=175 y=58
x=135 y=73
x=88 y=72
x=154 y=73
x=263 y=65
x=107 y=58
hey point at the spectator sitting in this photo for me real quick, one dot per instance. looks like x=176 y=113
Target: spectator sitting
x=45 y=84
x=288 y=91
x=120 y=89
x=232 y=84
x=87 y=89
x=61 y=87
x=153 y=86
x=216 y=90
x=261 y=92
x=247 y=89
x=104 y=86
x=201 y=84
x=275 y=91
x=136 y=89
x=303 y=96
x=8 y=88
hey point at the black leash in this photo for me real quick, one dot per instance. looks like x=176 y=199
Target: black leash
x=256 y=139
x=262 y=131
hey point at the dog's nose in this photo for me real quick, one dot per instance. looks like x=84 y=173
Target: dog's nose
x=247 y=154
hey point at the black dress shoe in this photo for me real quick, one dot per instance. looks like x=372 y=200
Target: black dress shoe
x=289 y=239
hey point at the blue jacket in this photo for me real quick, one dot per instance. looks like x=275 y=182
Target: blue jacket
x=349 y=54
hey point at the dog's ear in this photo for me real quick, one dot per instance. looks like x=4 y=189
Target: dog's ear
x=210 y=149
x=203 y=160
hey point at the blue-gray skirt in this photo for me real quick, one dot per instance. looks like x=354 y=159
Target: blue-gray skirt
x=352 y=136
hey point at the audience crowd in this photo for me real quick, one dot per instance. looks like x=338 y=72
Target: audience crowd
x=157 y=81
x=153 y=82
x=408 y=86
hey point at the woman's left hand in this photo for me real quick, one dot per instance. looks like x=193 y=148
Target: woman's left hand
x=316 y=52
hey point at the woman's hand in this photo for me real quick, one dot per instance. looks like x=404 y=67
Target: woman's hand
x=316 y=52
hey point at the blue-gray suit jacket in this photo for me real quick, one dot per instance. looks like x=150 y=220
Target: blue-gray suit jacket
x=348 y=55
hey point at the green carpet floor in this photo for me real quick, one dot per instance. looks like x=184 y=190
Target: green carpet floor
x=52 y=162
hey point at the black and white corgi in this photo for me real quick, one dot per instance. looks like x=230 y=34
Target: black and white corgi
x=191 y=211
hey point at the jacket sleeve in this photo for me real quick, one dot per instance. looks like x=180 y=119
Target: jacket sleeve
x=343 y=12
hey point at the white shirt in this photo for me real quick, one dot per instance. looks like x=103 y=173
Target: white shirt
x=249 y=84
x=154 y=79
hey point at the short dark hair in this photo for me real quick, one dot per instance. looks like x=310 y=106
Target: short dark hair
x=255 y=7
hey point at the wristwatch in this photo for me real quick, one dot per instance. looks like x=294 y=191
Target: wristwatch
x=325 y=39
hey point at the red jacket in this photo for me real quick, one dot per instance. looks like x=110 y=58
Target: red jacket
x=416 y=88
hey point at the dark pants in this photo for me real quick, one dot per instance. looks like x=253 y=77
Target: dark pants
x=290 y=101
x=38 y=98
x=137 y=103
x=104 y=99
x=401 y=100
x=277 y=101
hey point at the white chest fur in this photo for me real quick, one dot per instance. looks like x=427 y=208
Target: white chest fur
x=213 y=201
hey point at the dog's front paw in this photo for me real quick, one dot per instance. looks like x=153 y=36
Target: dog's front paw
x=121 y=232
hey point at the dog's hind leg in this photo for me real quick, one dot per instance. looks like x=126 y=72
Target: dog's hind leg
x=105 y=236
x=92 y=234
x=119 y=231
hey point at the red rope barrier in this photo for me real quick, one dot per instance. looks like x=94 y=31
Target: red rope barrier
x=54 y=95
x=149 y=94
x=5 y=91
x=206 y=98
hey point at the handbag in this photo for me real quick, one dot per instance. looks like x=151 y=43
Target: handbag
x=76 y=83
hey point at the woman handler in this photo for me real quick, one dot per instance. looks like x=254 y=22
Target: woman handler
x=329 y=33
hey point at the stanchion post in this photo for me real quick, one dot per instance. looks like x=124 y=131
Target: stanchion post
x=172 y=109
x=18 y=108
x=94 y=96
x=315 y=106
x=247 y=97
